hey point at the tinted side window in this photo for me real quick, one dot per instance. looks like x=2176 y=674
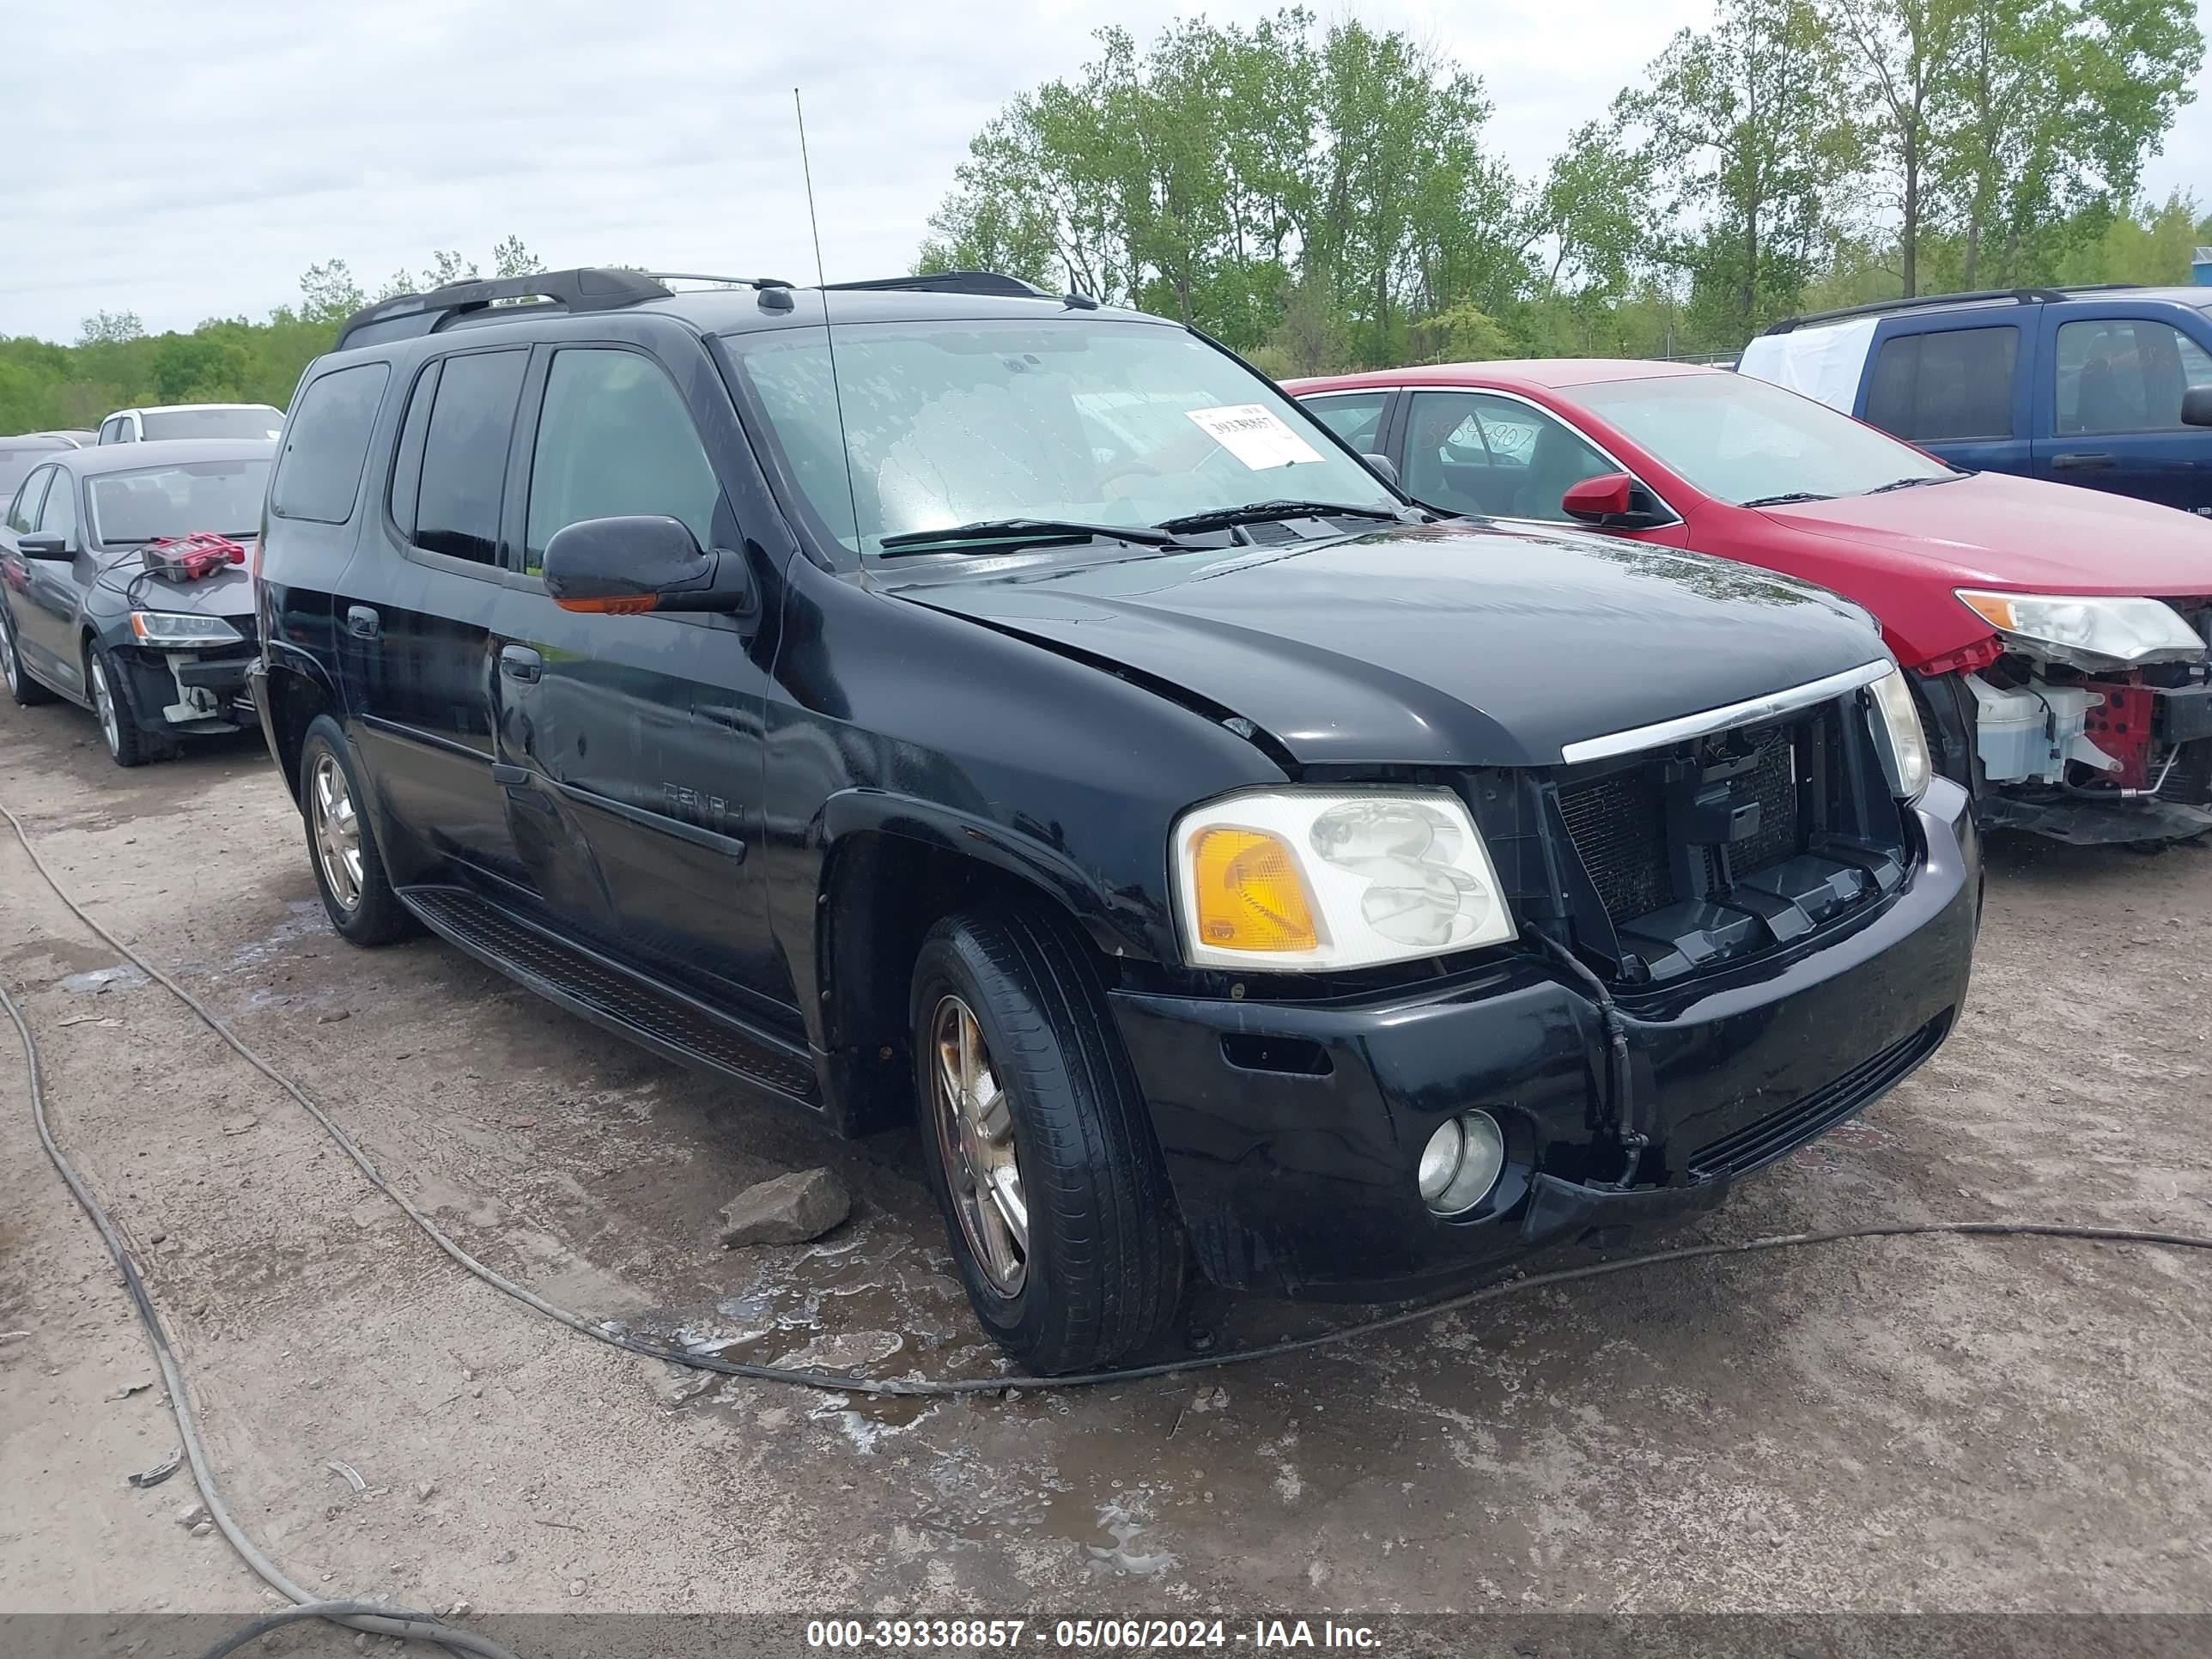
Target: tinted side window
x=2125 y=375
x=1954 y=384
x=1352 y=416
x=58 y=516
x=464 y=455
x=25 y=513
x=318 y=474
x=614 y=438
x=111 y=429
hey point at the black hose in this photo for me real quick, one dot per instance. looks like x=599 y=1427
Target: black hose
x=368 y=1617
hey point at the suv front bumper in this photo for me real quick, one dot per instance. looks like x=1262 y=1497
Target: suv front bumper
x=1292 y=1131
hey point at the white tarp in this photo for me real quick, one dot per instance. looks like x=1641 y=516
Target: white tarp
x=1823 y=362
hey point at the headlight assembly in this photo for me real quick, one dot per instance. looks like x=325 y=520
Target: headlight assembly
x=181 y=630
x=1297 y=880
x=1904 y=744
x=2103 y=631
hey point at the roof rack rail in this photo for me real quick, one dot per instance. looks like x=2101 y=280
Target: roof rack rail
x=2024 y=296
x=588 y=289
x=702 y=276
x=955 y=282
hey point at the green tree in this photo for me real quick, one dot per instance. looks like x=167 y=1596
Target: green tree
x=110 y=328
x=1744 y=131
x=509 y=257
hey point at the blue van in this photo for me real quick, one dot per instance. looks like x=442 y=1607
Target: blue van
x=2084 y=386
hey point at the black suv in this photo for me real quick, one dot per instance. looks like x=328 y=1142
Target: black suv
x=938 y=695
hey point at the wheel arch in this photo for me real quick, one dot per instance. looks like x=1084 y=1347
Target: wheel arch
x=296 y=694
x=891 y=869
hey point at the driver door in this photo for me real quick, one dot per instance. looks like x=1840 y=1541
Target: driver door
x=630 y=748
x=46 y=610
x=1497 y=456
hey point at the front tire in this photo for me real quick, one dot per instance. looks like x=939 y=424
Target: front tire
x=116 y=706
x=1039 y=1145
x=356 y=894
x=26 y=691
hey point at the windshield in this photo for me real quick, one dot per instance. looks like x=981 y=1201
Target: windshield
x=1108 y=423
x=1742 y=441
x=156 y=501
x=256 y=421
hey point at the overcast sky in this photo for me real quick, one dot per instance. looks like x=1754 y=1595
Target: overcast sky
x=186 y=161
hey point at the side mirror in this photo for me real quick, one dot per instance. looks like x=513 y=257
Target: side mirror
x=44 y=545
x=1612 y=501
x=2196 y=406
x=643 y=562
x=1384 y=465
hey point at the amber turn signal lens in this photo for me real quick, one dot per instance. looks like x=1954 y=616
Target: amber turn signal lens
x=625 y=604
x=1250 y=894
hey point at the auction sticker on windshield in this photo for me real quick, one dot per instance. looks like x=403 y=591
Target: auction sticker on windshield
x=1255 y=435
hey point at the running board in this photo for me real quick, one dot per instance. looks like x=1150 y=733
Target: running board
x=650 y=1014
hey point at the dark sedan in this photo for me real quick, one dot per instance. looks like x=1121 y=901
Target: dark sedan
x=124 y=588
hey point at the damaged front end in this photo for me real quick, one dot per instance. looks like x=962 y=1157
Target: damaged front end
x=2088 y=721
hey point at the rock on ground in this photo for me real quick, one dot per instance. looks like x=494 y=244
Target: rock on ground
x=788 y=1210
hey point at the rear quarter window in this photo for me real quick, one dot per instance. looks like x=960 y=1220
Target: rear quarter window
x=1951 y=384
x=326 y=446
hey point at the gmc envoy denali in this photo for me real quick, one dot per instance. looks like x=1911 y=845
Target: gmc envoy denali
x=934 y=698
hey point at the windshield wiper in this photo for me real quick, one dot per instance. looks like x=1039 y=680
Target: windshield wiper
x=1909 y=483
x=1793 y=495
x=1021 y=530
x=1262 y=512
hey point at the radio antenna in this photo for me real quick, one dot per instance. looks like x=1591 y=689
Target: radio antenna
x=829 y=336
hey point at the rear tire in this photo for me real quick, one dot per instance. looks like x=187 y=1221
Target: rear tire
x=356 y=894
x=1100 y=1268
x=26 y=691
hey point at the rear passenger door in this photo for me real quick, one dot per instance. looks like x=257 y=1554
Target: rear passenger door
x=629 y=746
x=414 y=614
x=1959 y=391
x=2109 y=391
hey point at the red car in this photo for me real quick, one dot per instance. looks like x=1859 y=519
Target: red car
x=2060 y=639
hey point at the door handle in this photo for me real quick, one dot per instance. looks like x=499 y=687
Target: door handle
x=2080 y=462
x=520 y=662
x=362 y=622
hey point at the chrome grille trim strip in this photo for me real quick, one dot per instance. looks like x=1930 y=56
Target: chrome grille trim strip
x=1749 y=712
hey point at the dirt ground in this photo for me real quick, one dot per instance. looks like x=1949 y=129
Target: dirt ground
x=1926 y=1426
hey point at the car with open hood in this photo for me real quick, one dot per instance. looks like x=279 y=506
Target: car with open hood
x=124 y=588
x=2059 y=640
x=939 y=702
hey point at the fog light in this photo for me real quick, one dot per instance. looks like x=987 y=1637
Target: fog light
x=1462 y=1163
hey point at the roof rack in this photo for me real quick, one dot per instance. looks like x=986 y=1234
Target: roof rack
x=727 y=282
x=2023 y=296
x=955 y=282
x=586 y=289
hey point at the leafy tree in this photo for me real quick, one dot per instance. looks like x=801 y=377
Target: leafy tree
x=509 y=257
x=1743 y=127
x=110 y=328
x=329 y=293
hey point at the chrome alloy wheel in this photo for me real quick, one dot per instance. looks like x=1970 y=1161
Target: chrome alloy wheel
x=975 y=1139
x=8 y=656
x=337 y=830
x=103 y=704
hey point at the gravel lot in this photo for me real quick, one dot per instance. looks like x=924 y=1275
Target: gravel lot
x=1928 y=1425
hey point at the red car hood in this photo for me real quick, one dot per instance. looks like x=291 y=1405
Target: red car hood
x=1995 y=530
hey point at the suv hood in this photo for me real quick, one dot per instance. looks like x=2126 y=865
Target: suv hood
x=1992 y=530
x=1454 y=644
